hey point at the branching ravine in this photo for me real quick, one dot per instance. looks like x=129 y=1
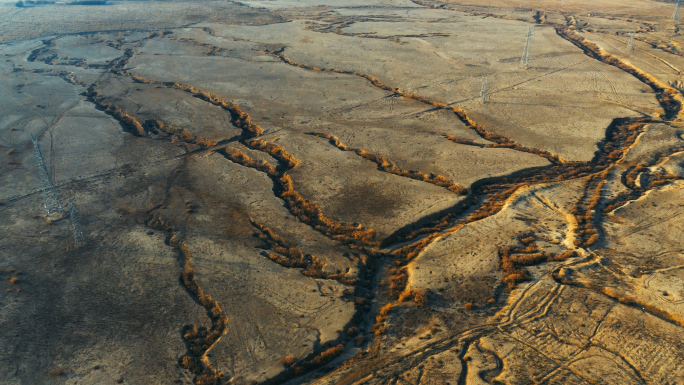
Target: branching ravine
x=485 y=199
x=279 y=251
x=199 y=340
x=621 y=136
x=460 y=113
x=387 y=166
x=335 y=24
x=670 y=98
x=305 y=210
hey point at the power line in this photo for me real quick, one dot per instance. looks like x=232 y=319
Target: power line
x=525 y=58
x=484 y=93
x=675 y=14
x=79 y=237
x=50 y=198
x=630 y=43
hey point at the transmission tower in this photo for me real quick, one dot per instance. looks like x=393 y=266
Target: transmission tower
x=50 y=198
x=675 y=14
x=525 y=58
x=630 y=43
x=484 y=93
x=79 y=238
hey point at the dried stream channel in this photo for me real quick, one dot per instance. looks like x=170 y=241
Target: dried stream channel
x=303 y=192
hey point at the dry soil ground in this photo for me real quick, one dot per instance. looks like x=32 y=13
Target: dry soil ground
x=317 y=192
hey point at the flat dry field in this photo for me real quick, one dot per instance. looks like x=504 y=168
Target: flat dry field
x=378 y=192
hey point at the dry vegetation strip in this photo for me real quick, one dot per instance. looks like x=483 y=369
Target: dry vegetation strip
x=669 y=98
x=290 y=256
x=335 y=24
x=625 y=298
x=460 y=113
x=149 y=128
x=649 y=181
x=306 y=211
x=199 y=340
x=586 y=211
x=620 y=136
x=640 y=178
x=386 y=166
x=514 y=259
x=129 y=123
x=320 y=359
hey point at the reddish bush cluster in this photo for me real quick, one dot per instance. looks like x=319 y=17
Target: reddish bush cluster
x=241 y=119
x=239 y=157
x=514 y=259
x=288 y=360
x=397 y=282
x=128 y=122
x=292 y=257
x=380 y=327
x=420 y=297
x=275 y=151
x=321 y=359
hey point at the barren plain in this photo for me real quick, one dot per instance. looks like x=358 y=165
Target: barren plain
x=342 y=192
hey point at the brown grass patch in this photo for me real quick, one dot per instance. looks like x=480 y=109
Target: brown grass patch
x=288 y=360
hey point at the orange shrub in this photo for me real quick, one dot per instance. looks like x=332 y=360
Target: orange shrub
x=288 y=360
x=420 y=296
x=327 y=356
